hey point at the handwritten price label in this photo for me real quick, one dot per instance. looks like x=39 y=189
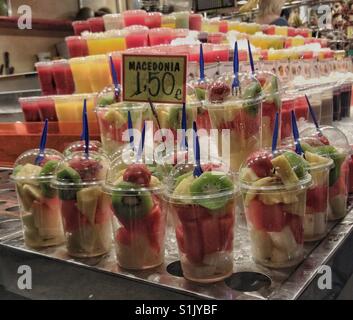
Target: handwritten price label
x=158 y=78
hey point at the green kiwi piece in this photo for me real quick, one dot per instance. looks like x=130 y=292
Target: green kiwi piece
x=200 y=94
x=181 y=178
x=106 y=101
x=298 y=164
x=130 y=203
x=251 y=92
x=211 y=183
x=48 y=170
x=68 y=175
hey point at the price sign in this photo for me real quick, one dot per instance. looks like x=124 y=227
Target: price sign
x=158 y=78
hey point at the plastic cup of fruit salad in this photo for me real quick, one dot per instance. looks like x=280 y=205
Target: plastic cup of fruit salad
x=203 y=210
x=236 y=116
x=84 y=206
x=274 y=189
x=112 y=117
x=337 y=148
x=39 y=203
x=80 y=146
x=135 y=193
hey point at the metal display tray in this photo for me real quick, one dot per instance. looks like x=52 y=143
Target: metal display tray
x=58 y=276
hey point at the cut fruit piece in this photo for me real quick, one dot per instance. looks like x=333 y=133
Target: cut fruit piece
x=193 y=242
x=313 y=158
x=28 y=171
x=260 y=163
x=248 y=175
x=48 y=170
x=272 y=198
x=87 y=202
x=200 y=93
x=295 y=223
x=320 y=223
x=284 y=170
x=279 y=257
x=261 y=244
x=338 y=205
x=268 y=181
x=31 y=192
x=130 y=203
x=181 y=178
x=138 y=174
x=211 y=183
x=68 y=175
x=284 y=241
x=183 y=187
x=309 y=225
x=298 y=164
x=317 y=198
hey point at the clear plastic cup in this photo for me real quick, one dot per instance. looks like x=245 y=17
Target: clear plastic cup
x=136 y=199
x=168 y=21
x=195 y=21
x=39 y=203
x=84 y=206
x=80 y=26
x=46 y=78
x=136 y=37
x=96 y=24
x=337 y=148
x=203 y=210
x=134 y=17
x=274 y=189
x=237 y=118
x=181 y=19
x=113 y=21
x=99 y=74
x=77 y=46
x=153 y=20
x=30 y=109
x=63 y=77
x=80 y=73
x=160 y=36
x=103 y=43
x=46 y=107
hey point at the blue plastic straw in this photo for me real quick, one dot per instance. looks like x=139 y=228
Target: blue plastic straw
x=86 y=135
x=142 y=143
x=115 y=78
x=130 y=128
x=43 y=143
x=202 y=64
x=251 y=59
x=184 y=142
x=84 y=110
x=298 y=148
x=236 y=83
x=313 y=116
x=198 y=170
x=275 y=133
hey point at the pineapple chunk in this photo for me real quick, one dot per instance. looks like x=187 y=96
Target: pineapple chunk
x=259 y=183
x=284 y=170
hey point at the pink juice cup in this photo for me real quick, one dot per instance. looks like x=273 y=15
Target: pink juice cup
x=46 y=77
x=77 y=47
x=136 y=37
x=160 y=36
x=223 y=26
x=30 y=109
x=153 y=20
x=46 y=107
x=80 y=26
x=96 y=24
x=195 y=21
x=135 y=17
x=64 y=81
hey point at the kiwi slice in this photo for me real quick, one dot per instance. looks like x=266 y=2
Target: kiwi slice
x=211 y=183
x=106 y=101
x=48 y=170
x=181 y=178
x=251 y=92
x=298 y=164
x=200 y=94
x=68 y=175
x=130 y=203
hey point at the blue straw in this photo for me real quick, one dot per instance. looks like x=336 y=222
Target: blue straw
x=202 y=64
x=130 y=128
x=275 y=133
x=43 y=142
x=86 y=135
x=236 y=83
x=84 y=110
x=313 y=116
x=142 y=143
x=298 y=148
x=115 y=78
x=251 y=59
x=184 y=143
x=198 y=170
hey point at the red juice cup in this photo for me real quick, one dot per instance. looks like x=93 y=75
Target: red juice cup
x=136 y=37
x=96 y=24
x=63 y=78
x=160 y=36
x=46 y=107
x=135 y=17
x=216 y=38
x=269 y=30
x=195 y=21
x=30 y=109
x=80 y=26
x=46 y=78
x=77 y=47
x=153 y=20
x=223 y=26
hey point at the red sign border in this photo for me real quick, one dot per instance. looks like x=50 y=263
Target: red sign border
x=124 y=55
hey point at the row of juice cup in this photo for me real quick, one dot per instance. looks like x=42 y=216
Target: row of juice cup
x=139 y=36
x=185 y=20
x=88 y=202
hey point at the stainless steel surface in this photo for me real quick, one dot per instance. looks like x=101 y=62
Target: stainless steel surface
x=285 y=284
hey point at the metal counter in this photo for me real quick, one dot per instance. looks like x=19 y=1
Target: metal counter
x=58 y=276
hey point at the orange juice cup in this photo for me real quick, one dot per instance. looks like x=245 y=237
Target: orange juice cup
x=80 y=73
x=99 y=72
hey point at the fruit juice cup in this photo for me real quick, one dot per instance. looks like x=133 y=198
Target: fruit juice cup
x=181 y=19
x=195 y=21
x=96 y=24
x=203 y=210
x=346 y=95
x=216 y=38
x=46 y=107
x=113 y=21
x=136 y=199
x=136 y=36
x=160 y=36
x=251 y=28
x=292 y=32
x=80 y=26
x=46 y=77
x=168 y=21
x=80 y=146
x=77 y=46
x=63 y=77
x=275 y=206
x=223 y=26
x=117 y=61
x=153 y=20
x=286 y=122
x=102 y=43
x=269 y=29
x=39 y=203
x=84 y=206
x=233 y=25
x=240 y=117
x=271 y=105
x=281 y=31
x=99 y=74
x=80 y=73
x=30 y=109
x=135 y=17
x=216 y=53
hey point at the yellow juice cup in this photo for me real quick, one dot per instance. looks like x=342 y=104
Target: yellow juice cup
x=102 y=43
x=210 y=26
x=168 y=21
x=281 y=31
x=80 y=74
x=99 y=72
